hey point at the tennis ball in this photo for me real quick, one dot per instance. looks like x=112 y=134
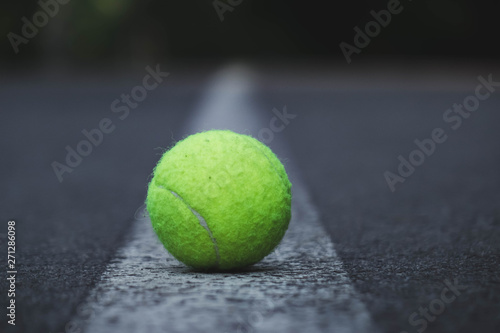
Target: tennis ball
x=219 y=200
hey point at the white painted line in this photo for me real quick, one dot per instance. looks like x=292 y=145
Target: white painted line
x=301 y=287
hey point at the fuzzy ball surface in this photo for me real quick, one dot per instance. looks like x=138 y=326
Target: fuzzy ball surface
x=219 y=200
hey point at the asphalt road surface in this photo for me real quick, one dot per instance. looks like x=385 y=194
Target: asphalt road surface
x=358 y=257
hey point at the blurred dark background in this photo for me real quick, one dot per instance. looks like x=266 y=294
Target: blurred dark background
x=113 y=33
x=443 y=223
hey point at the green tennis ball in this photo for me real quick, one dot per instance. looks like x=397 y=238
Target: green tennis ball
x=219 y=200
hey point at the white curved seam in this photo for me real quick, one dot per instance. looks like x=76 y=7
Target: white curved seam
x=202 y=222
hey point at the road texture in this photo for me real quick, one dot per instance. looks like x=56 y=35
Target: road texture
x=425 y=257
x=442 y=223
x=301 y=287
